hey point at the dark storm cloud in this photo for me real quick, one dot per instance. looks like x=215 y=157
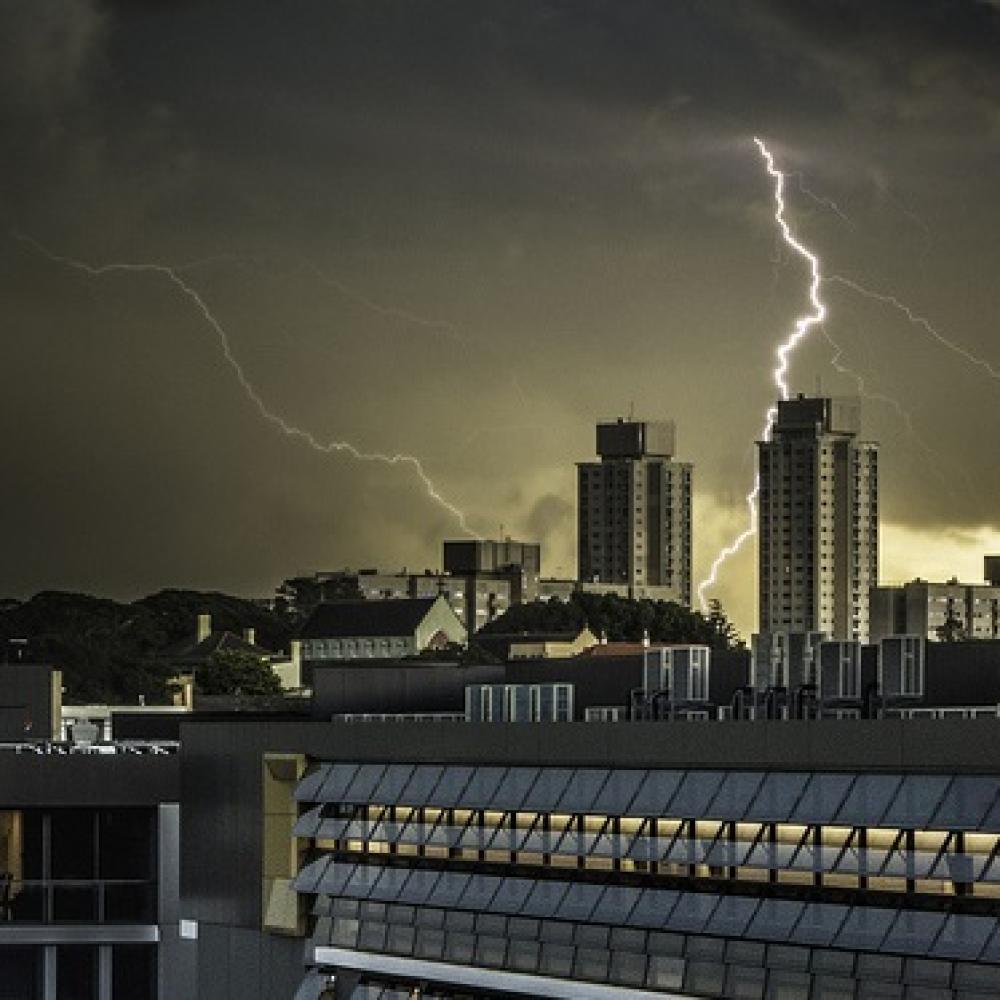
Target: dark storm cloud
x=562 y=183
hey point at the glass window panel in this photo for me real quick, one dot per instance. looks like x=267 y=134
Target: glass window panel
x=523 y=955
x=475 y=837
x=992 y=820
x=616 y=904
x=865 y=928
x=449 y=889
x=579 y=901
x=959 y=867
x=909 y=864
x=653 y=908
x=338 y=780
x=540 y=841
x=656 y=790
x=361 y=882
x=389 y=832
x=389 y=884
x=966 y=803
x=557 y=960
x=693 y=911
x=766 y=855
x=591 y=964
x=511 y=895
x=335 y=878
x=628 y=969
x=913 y=932
x=647 y=848
x=731 y=917
x=511 y=791
x=479 y=892
x=613 y=845
x=822 y=798
x=916 y=801
x=392 y=784
x=365 y=782
x=451 y=786
x=547 y=790
x=333 y=828
x=544 y=899
x=615 y=798
x=418 y=886
x=775 y=919
x=735 y=794
x=582 y=791
x=310 y=875
x=576 y=843
x=490 y=951
x=308 y=788
x=665 y=972
x=725 y=853
x=991 y=951
x=508 y=838
x=777 y=797
x=480 y=791
x=308 y=823
x=865 y=804
x=695 y=793
x=819 y=923
x=963 y=936
x=419 y=788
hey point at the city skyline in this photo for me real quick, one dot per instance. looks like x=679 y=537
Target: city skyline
x=535 y=245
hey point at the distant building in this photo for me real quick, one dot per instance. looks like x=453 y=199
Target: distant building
x=481 y=580
x=634 y=512
x=391 y=628
x=536 y=645
x=190 y=655
x=818 y=520
x=950 y=610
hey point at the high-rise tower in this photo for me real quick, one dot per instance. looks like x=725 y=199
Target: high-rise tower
x=817 y=520
x=634 y=512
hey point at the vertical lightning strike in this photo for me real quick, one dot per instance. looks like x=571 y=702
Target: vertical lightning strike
x=275 y=419
x=803 y=326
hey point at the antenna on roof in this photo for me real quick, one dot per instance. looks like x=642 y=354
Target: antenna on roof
x=631 y=410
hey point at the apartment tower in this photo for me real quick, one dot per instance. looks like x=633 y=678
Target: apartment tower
x=634 y=512
x=817 y=520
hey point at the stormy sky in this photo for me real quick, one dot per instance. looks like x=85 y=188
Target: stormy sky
x=466 y=231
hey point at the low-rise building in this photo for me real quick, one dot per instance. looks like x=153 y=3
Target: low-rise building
x=387 y=629
x=947 y=611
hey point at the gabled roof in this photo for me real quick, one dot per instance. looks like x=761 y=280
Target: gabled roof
x=337 y=619
x=191 y=651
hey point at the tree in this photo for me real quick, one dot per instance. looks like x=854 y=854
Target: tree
x=952 y=628
x=231 y=671
x=622 y=620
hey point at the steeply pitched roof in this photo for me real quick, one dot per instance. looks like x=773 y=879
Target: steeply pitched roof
x=337 y=619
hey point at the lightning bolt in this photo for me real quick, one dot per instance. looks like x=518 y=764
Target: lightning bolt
x=802 y=328
x=917 y=320
x=266 y=413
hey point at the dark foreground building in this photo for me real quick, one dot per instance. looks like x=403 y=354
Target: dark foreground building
x=819 y=859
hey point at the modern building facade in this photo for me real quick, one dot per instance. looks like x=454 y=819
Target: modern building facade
x=947 y=611
x=89 y=868
x=634 y=512
x=833 y=860
x=817 y=520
